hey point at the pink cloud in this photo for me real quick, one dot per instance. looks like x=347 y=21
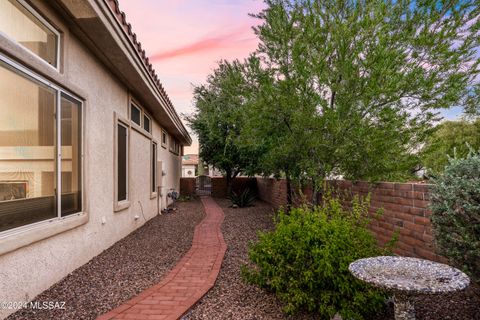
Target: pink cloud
x=186 y=38
x=202 y=45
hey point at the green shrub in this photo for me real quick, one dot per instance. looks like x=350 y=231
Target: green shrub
x=455 y=205
x=244 y=199
x=184 y=198
x=305 y=260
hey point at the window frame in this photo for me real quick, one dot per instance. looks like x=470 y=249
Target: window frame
x=153 y=169
x=164 y=143
x=47 y=25
x=135 y=105
x=122 y=204
x=145 y=115
x=174 y=146
x=34 y=77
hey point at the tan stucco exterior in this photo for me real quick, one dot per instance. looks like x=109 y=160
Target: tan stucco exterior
x=34 y=258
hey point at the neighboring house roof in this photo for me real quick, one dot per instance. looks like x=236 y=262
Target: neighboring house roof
x=102 y=26
x=190 y=159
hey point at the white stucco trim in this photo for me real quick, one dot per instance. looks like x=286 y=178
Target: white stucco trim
x=23 y=236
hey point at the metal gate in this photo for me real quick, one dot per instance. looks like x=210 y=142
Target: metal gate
x=204 y=186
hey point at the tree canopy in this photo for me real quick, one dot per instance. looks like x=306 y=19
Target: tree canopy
x=351 y=88
x=218 y=119
x=450 y=138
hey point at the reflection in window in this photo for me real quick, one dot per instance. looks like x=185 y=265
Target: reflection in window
x=28 y=149
x=18 y=22
x=13 y=190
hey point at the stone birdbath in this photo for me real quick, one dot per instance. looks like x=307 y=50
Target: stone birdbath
x=408 y=277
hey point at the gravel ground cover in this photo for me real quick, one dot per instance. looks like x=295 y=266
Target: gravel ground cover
x=131 y=265
x=232 y=298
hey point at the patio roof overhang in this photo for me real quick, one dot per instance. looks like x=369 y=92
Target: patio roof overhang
x=101 y=26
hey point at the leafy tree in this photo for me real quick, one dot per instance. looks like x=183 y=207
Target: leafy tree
x=450 y=138
x=218 y=120
x=351 y=88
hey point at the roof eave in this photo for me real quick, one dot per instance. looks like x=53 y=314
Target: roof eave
x=102 y=27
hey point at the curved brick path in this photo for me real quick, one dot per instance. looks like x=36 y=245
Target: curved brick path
x=191 y=278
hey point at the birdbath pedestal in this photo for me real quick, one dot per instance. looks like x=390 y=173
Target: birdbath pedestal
x=408 y=277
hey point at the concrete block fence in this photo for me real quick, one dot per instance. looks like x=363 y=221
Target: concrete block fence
x=405 y=209
x=187 y=186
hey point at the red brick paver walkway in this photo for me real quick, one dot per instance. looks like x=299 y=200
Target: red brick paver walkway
x=191 y=278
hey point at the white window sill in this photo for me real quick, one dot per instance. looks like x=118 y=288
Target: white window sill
x=23 y=236
x=119 y=206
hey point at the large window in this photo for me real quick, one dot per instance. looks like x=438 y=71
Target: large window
x=40 y=149
x=21 y=23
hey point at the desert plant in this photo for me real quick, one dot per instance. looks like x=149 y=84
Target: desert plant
x=184 y=198
x=455 y=205
x=305 y=260
x=243 y=199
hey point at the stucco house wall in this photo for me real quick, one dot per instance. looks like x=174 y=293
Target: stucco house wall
x=34 y=266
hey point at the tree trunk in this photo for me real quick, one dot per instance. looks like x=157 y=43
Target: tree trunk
x=289 y=193
x=229 y=186
x=230 y=177
x=314 y=194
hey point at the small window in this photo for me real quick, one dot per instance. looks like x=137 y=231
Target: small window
x=164 y=139
x=174 y=146
x=177 y=147
x=122 y=162
x=146 y=123
x=171 y=144
x=23 y=24
x=135 y=114
x=154 y=168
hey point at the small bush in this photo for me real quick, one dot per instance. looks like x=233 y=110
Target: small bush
x=305 y=260
x=455 y=205
x=184 y=198
x=244 y=199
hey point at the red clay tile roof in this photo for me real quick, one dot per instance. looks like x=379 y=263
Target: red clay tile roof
x=121 y=17
x=190 y=159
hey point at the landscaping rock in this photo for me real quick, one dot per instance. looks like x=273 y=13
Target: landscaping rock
x=130 y=266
